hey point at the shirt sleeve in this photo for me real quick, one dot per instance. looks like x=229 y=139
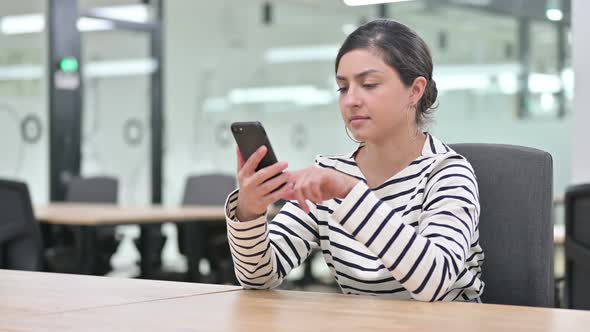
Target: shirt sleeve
x=264 y=253
x=426 y=261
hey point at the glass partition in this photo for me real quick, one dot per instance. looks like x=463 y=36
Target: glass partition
x=116 y=111
x=248 y=61
x=23 y=96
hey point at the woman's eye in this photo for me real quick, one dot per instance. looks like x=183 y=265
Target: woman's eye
x=369 y=85
x=342 y=89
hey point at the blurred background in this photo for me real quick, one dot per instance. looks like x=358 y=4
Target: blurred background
x=159 y=82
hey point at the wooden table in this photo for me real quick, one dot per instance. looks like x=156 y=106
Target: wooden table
x=80 y=214
x=24 y=294
x=86 y=217
x=259 y=311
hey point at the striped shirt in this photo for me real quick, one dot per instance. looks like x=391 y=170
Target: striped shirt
x=416 y=236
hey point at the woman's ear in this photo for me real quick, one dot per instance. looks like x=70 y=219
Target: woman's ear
x=417 y=89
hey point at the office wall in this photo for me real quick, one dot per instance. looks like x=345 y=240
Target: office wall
x=581 y=116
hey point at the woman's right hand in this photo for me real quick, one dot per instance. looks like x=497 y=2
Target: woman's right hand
x=256 y=187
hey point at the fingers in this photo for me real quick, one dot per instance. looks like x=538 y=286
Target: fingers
x=308 y=184
x=289 y=195
x=299 y=191
x=308 y=193
x=274 y=183
x=250 y=165
x=285 y=191
x=268 y=172
x=316 y=193
x=301 y=200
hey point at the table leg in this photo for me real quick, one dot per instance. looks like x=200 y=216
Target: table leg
x=194 y=242
x=86 y=249
x=150 y=244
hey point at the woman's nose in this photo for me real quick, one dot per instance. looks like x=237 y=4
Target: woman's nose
x=350 y=98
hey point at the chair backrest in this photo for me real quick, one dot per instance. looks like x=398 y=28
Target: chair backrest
x=515 y=225
x=577 y=246
x=20 y=238
x=99 y=189
x=208 y=189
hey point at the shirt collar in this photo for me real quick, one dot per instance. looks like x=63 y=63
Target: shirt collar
x=432 y=146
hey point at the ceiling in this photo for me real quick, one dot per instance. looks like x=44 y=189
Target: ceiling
x=534 y=9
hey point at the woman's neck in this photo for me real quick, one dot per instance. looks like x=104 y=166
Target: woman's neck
x=380 y=161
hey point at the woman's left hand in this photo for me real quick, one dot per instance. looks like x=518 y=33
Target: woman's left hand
x=318 y=184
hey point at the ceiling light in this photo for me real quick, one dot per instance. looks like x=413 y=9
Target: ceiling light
x=553 y=10
x=21 y=72
x=369 y=2
x=301 y=54
x=554 y=14
x=93 y=24
x=35 y=23
x=127 y=67
x=473 y=2
x=17 y=24
x=297 y=94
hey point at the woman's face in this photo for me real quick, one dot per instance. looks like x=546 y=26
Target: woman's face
x=373 y=100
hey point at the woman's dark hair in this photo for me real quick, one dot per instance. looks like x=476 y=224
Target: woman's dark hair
x=403 y=50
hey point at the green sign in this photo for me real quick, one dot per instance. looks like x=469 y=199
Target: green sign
x=68 y=65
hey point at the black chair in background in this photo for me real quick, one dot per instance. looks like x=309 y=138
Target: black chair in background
x=20 y=239
x=62 y=254
x=97 y=189
x=209 y=238
x=577 y=247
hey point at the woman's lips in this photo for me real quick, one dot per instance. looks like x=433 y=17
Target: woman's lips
x=358 y=120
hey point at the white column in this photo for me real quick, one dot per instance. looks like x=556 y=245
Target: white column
x=581 y=111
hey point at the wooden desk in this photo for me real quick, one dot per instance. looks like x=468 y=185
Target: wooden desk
x=261 y=311
x=80 y=214
x=36 y=293
x=89 y=216
x=95 y=215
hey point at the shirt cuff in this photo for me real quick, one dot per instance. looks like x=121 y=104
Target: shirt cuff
x=230 y=213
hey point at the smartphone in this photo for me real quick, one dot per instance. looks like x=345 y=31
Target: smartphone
x=250 y=136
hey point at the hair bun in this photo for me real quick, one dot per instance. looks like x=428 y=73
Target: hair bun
x=433 y=91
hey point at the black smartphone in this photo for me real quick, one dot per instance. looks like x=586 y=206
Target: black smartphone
x=250 y=136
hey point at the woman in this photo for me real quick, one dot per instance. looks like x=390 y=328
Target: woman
x=397 y=217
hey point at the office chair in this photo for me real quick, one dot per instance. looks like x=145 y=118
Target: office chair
x=210 y=189
x=577 y=247
x=20 y=238
x=515 y=226
x=62 y=255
